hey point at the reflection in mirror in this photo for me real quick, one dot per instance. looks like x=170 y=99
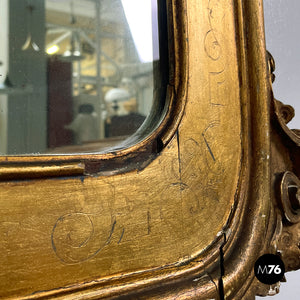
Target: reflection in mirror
x=76 y=75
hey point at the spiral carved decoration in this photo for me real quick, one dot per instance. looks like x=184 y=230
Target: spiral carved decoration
x=289 y=241
x=290 y=197
x=283 y=113
x=75 y=239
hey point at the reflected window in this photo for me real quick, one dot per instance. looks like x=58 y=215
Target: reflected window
x=76 y=75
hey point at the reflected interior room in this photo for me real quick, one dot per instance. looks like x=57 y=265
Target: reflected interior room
x=76 y=75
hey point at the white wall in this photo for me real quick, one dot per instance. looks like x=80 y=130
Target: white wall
x=282 y=24
x=3 y=73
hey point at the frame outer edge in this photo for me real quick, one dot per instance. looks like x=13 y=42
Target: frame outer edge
x=259 y=216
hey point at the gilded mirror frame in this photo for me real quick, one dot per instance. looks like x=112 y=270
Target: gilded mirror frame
x=257 y=212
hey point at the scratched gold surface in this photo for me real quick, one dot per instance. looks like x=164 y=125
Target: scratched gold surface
x=59 y=232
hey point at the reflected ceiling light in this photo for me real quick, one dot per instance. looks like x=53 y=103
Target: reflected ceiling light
x=74 y=54
x=52 y=50
x=139 y=17
x=6 y=86
x=29 y=43
x=117 y=94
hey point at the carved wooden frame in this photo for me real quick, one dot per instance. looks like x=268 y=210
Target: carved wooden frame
x=262 y=215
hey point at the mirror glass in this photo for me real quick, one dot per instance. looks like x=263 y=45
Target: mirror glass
x=76 y=75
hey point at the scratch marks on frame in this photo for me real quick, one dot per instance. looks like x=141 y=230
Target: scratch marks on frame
x=213 y=49
x=149 y=222
x=121 y=237
x=74 y=238
x=206 y=141
x=208 y=147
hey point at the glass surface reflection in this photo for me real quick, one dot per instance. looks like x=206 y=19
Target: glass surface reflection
x=76 y=75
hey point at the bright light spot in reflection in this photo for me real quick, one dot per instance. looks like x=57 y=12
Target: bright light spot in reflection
x=139 y=18
x=53 y=49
